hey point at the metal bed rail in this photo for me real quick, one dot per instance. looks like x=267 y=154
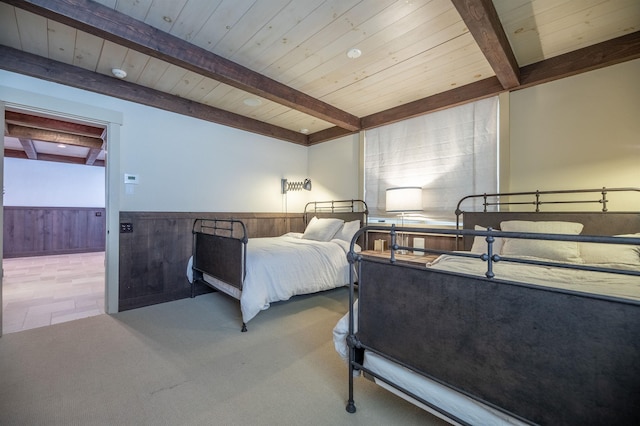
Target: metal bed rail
x=337 y=206
x=496 y=199
x=231 y=228
x=490 y=257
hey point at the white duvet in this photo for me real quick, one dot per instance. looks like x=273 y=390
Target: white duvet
x=281 y=267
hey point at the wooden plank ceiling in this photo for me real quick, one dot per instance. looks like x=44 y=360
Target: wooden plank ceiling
x=282 y=68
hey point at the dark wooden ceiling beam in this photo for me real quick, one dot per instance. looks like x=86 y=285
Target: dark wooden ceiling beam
x=46 y=69
x=483 y=22
x=65 y=159
x=29 y=148
x=28 y=120
x=15 y=131
x=461 y=95
x=605 y=54
x=13 y=153
x=121 y=29
x=327 y=135
x=92 y=156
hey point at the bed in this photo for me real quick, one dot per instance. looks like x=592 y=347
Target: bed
x=535 y=323
x=261 y=271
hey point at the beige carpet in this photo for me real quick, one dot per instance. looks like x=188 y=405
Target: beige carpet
x=186 y=363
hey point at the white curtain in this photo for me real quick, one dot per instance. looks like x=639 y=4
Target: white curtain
x=450 y=154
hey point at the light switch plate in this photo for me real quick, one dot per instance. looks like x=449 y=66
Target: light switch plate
x=132 y=179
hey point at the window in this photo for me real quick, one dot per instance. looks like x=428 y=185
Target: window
x=449 y=154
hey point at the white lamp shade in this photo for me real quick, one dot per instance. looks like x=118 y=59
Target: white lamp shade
x=404 y=199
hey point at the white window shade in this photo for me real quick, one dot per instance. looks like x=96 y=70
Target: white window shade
x=449 y=154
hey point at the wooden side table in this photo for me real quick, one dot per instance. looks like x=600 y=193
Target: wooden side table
x=410 y=258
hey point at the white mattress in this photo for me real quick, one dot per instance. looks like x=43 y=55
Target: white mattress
x=281 y=267
x=609 y=284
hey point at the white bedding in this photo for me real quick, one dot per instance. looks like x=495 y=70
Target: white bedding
x=625 y=286
x=281 y=267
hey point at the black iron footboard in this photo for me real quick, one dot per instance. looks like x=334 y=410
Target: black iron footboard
x=219 y=250
x=543 y=355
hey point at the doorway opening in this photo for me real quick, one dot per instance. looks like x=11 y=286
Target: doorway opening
x=54 y=233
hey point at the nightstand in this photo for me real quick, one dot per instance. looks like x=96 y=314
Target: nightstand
x=410 y=258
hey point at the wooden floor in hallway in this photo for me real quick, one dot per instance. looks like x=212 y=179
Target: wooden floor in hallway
x=44 y=290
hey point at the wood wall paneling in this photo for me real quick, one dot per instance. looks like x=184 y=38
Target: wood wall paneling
x=39 y=231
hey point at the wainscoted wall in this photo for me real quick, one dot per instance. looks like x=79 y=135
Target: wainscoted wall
x=154 y=256
x=39 y=231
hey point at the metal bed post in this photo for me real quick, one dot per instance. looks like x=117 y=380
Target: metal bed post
x=352 y=341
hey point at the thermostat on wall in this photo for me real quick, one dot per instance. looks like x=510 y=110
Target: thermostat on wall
x=128 y=178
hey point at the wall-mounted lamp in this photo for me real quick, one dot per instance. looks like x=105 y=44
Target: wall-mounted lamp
x=295 y=186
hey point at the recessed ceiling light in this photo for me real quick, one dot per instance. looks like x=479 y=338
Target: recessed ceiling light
x=252 y=102
x=118 y=73
x=304 y=131
x=354 y=53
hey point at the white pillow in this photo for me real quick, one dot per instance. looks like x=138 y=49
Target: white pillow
x=560 y=251
x=348 y=230
x=594 y=253
x=322 y=229
x=480 y=242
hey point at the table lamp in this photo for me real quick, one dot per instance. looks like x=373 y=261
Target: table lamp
x=403 y=200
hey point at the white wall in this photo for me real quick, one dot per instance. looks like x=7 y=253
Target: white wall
x=578 y=132
x=186 y=164
x=334 y=167
x=48 y=184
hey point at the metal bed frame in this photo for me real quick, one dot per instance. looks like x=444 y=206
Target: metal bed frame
x=220 y=245
x=539 y=354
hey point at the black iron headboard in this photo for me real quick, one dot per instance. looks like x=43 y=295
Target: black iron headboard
x=601 y=222
x=347 y=210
